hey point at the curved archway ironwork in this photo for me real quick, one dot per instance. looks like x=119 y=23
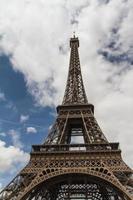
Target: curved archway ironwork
x=68 y=186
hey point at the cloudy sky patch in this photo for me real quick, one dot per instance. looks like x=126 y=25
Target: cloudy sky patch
x=31 y=130
x=34 y=59
x=24 y=118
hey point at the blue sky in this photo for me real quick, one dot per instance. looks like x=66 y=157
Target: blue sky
x=19 y=113
x=18 y=101
x=34 y=60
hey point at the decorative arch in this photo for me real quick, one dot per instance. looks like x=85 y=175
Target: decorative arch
x=102 y=174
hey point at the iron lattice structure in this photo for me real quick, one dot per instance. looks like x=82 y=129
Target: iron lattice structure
x=76 y=161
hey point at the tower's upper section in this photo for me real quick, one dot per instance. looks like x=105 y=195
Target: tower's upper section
x=75 y=92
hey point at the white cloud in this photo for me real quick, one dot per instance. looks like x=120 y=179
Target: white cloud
x=24 y=118
x=15 y=137
x=40 y=51
x=31 y=130
x=0 y=186
x=12 y=159
x=2 y=134
x=2 y=96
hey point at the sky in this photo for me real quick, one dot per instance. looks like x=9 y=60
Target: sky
x=34 y=60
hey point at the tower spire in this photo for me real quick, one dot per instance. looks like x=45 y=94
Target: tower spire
x=75 y=92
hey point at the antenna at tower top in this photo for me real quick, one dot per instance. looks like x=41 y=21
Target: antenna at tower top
x=74 y=34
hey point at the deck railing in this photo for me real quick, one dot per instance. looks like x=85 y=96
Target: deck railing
x=75 y=147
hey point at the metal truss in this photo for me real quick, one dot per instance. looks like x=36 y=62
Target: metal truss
x=75 y=92
x=83 y=117
x=75 y=191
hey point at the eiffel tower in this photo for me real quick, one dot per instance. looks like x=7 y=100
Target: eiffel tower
x=76 y=162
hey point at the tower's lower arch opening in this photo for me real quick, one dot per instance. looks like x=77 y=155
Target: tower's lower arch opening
x=74 y=187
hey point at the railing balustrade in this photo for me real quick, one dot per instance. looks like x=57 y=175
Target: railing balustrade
x=75 y=147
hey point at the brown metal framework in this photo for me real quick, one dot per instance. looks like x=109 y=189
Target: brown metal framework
x=76 y=161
